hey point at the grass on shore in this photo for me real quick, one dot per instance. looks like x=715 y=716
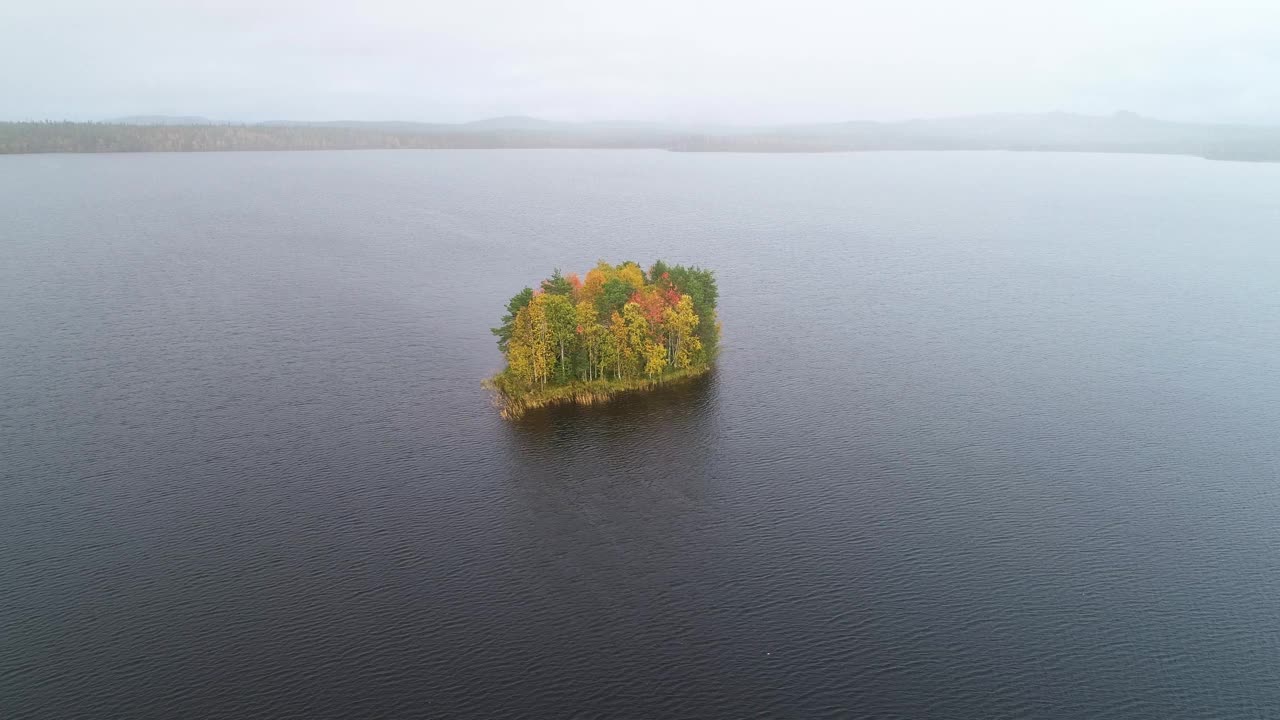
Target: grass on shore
x=513 y=400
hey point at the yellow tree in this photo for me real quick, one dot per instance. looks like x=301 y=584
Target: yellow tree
x=655 y=359
x=520 y=361
x=542 y=346
x=637 y=336
x=520 y=348
x=618 y=345
x=607 y=356
x=593 y=285
x=631 y=274
x=562 y=324
x=683 y=343
x=592 y=336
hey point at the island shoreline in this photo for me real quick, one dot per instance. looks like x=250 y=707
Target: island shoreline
x=513 y=404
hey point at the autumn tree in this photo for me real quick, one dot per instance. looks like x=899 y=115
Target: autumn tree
x=683 y=344
x=592 y=336
x=530 y=354
x=562 y=323
x=618 y=345
x=607 y=358
x=593 y=285
x=520 y=351
x=631 y=274
x=653 y=302
x=542 y=355
x=655 y=359
x=637 y=335
x=618 y=324
x=700 y=285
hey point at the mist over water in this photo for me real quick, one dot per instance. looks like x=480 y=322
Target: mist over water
x=714 y=61
x=992 y=435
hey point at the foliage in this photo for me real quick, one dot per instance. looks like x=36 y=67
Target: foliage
x=620 y=328
x=514 y=305
x=613 y=295
x=557 y=284
x=683 y=344
x=562 y=323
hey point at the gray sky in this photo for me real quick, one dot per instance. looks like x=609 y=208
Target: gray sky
x=670 y=60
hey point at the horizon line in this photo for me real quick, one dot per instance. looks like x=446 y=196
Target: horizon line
x=167 y=118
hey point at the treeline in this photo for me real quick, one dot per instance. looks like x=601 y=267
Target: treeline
x=617 y=324
x=69 y=137
x=1057 y=132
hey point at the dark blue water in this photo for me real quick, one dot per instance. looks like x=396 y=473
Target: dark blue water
x=992 y=436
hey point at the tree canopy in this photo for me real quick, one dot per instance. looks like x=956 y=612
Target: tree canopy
x=617 y=325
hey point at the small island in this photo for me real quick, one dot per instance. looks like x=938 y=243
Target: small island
x=618 y=329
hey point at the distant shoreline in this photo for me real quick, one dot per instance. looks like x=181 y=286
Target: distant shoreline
x=1051 y=132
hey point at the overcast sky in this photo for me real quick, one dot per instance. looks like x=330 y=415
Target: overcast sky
x=669 y=60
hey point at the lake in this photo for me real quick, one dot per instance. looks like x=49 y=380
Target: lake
x=992 y=435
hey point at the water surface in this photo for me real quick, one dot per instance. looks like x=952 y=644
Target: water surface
x=993 y=435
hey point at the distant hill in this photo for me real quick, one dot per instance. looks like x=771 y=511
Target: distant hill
x=515 y=122
x=1058 y=132
x=386 y=126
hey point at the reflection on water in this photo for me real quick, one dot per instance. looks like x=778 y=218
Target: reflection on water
x=634 y=465
x=610 y=506
x=644 y=456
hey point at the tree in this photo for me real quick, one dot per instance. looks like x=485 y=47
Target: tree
x=655 y=359
x=636 y=336
x=593 y=286
x=620 y=346
x=557 y=284
x=658 y=273
x=514 y=305
x=684 y=345
x=610 y=350
x=613 y=295
x=701 y=286
x=562 y=323
x=528 y=354
x=653 y=302
x=592 y=335
x=542 y=357
x=520 y=357
x=631 y=274
x=656 y=323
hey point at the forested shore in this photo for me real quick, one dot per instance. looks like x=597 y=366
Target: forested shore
x=1047 y=132
x=619 y=328
x=69 y=137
